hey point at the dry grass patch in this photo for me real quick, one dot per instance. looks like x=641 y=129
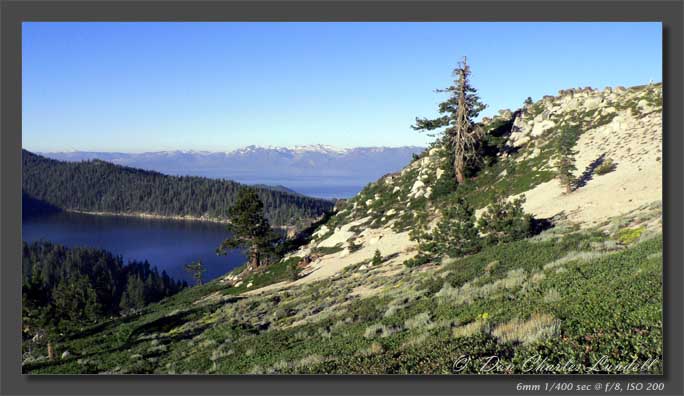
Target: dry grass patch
x=537 y=327
x=469 y=329
x=419 y=322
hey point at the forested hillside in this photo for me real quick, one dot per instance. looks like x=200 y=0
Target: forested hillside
x=68 y=288
x=98 y=186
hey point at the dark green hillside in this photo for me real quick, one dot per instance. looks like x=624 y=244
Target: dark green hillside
x=67 y=289
x=99 y=186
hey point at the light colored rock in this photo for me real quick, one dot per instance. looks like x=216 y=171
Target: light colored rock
x=369 y=201
x=608 y=110
x=321 y=231
x=541 y=127
x=592 y=102
x=396 y=189
x=417 y=186
x=390 y=212
x=522 y=140
x=66 y=354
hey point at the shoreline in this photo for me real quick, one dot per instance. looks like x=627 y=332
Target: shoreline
x=141 y=215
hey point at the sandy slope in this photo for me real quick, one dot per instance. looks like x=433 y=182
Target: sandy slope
x=636 y=147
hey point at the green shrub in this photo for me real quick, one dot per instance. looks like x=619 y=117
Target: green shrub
x=353 y=246
x=377 y=258
x=505 y=221
x=417 y=261
x=324 y=250
x=628 y=235
x=293 y=271
x=607 y=166
x=455 y=235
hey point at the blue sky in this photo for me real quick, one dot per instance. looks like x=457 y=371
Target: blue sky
x=136 y=87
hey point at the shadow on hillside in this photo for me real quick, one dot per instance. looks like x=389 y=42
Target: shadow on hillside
x=31 y=206
x=588 y=173
x=494 y=142
x=537 y=226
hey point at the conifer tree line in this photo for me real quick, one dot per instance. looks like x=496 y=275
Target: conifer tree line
x=68 y=287
x=99 y=186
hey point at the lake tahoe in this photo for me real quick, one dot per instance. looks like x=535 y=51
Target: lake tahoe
x=167 y=244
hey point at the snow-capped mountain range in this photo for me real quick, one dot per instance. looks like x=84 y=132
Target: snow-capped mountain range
x=318 y=170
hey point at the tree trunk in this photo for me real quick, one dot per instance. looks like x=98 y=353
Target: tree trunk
x=50 y=351
x=254 y=258
x=462 y=139
x=459 y=171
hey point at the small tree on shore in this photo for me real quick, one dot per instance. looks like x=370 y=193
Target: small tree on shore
x=249 y=228
x=196 y=269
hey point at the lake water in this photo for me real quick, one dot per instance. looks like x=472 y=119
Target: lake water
x=166 y=244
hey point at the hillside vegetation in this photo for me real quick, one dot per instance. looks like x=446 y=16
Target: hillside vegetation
x=98 y=186
x=585 y=289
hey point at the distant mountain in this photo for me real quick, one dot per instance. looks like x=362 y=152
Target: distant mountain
x=300 y=168
x=100 y=186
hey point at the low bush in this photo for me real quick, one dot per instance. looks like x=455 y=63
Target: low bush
x=417 y=261
x=607 y=166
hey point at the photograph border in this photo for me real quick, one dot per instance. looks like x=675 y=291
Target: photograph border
x=14 y=12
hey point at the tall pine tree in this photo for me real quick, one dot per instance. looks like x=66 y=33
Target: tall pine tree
x=565 y=162
x=249 y=228
x=461 y=135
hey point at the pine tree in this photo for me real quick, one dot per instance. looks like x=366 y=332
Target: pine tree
x=461 y=135
x=196 y=269
x=505 y=221
x=528 y=101
x=455 y=234
x=249 y=228
x=566 y=158
x=377 y=258
x=134 y=294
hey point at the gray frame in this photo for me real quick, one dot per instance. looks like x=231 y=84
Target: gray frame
x=13 y=12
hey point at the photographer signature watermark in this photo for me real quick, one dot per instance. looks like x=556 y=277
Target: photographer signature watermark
x=538 y=364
